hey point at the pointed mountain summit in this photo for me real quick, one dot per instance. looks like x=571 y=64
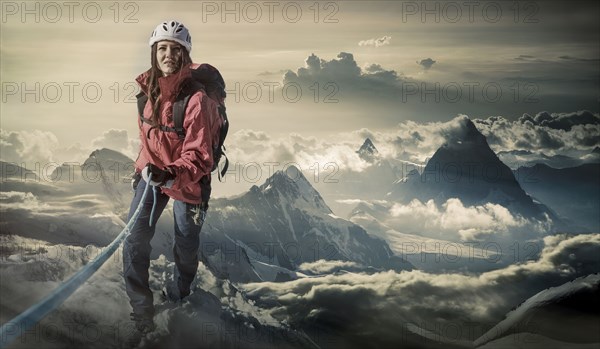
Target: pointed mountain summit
x=106 y=172
x=292 y=187
x=367 y=151
x=107 y=156
x=285 y=222
x=101 y=164
x=465 y=167
x=468 y=134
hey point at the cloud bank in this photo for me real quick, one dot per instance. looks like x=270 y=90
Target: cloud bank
x=43 y=147
x=551 y=133
x=569 y=138
x=452 y=307
x=483 y=222
x=480 y=91
x=350 y=79
x=451 y=221
x=28 y=146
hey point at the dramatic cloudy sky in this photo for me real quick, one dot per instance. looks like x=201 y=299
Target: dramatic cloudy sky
x=307 y=83
x=359 y=64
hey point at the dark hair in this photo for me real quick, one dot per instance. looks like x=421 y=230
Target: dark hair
x=152 y=81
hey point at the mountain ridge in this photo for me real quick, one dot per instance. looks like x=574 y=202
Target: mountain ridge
x=286 y=222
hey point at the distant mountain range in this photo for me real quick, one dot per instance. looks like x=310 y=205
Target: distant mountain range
x=267 y=232
x=574 y=193
x=370 y=182
x=272 y=229
x=525 y=158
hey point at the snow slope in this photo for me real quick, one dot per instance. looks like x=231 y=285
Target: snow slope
x=568 y=313
x=215 y=315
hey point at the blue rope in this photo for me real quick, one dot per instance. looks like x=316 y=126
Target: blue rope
x=153 y=205
x=21 y=323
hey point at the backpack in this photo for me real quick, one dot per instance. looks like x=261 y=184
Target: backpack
x=207 y=78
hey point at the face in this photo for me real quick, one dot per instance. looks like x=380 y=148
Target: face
x=168 y=55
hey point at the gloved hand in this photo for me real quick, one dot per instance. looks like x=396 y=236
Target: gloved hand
x=160 y=178
x=135 y=179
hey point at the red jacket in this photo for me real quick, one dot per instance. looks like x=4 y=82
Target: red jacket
x=190 y=158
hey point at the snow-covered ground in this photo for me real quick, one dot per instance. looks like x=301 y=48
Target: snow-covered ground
x=216 y=314
x=298 y=313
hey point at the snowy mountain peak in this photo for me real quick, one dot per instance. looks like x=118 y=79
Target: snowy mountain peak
x=464 y=145
x=466 y=134
x=287 y=211
x=115 y=165
x=468 y=169
x=368 y=147
x=294 y=188
x=367 y=151
x=463 y=168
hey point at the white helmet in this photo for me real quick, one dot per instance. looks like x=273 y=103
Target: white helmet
x=174 y=31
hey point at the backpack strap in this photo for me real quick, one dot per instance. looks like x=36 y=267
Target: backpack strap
x=142 y=98
x=222 y=135
x=181 y=103
x=179 y=107
x=225 y=167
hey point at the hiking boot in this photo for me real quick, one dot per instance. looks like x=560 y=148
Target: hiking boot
x=171 y=293
x=144 y=324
